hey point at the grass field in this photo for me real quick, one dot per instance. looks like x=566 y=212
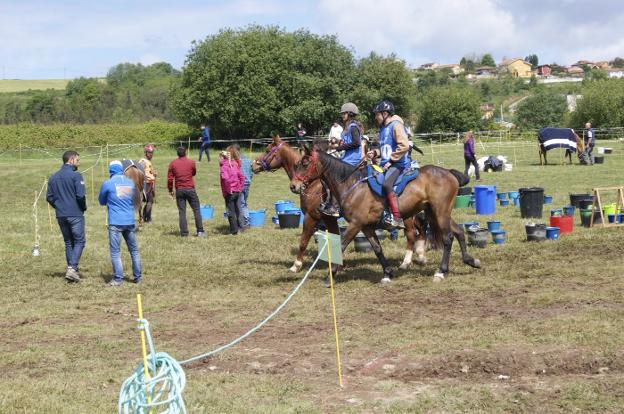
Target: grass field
x=20 y=85
x=538 y=328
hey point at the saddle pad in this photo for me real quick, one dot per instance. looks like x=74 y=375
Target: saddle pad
x=376 y=180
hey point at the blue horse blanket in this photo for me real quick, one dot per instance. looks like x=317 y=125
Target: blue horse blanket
x=376 y=180
x=551 y=138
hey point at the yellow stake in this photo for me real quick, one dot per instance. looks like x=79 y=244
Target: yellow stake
x=331 y=285
x=92 y=187
x=144 y=350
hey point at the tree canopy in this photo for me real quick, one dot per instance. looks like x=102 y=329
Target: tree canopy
x=543 y=109
x=448 y=108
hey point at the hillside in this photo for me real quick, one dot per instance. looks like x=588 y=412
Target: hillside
x=20 y=85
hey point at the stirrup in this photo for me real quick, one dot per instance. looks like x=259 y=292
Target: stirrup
x=394 y=223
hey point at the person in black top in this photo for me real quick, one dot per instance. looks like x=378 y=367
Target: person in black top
x=66 y=193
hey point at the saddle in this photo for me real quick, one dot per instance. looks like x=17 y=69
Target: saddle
x=376 y=180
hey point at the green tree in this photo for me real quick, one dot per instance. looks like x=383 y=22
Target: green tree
x=618 y=62
x=449 y=108
x=541 y=110
x=602 y=104
x=533 y=60
x=378 y=78
x=246 y=83
x=488 y=60
x=468 y=64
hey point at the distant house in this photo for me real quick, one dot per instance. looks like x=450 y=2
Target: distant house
x=581 y=63
x=544 y=70
x=429 y=66
x=453 y=67
x=485 y=72
x=576 y=71
x=603 y=64
x=615 y=72
x=517 y=67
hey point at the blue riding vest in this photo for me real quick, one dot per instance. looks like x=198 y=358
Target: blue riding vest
x=388 y=145
x=352 y=156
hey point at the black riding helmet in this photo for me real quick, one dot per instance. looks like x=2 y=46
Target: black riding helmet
x=384 y=106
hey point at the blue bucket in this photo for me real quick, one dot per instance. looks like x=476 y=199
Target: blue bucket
x=502 y=196
x=611 y=218
x=516 y=202
x=513 y=195
x=503 y=203
x=552 y=233
x=485 y=197
x=256 y=218
x=282 y=205
x=498 y=236
x=548 y=199
x=620 y=218
x=493 y=225
x=207 y=211
x=568 y=210
x=295 y=211
x=275 y=220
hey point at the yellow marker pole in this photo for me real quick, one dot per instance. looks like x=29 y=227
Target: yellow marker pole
x=92 y=187
x=331 y=285
x=144 y=350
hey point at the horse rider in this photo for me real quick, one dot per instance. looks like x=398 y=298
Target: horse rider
x=150 y=180
x=394 y=153
x=350 y=145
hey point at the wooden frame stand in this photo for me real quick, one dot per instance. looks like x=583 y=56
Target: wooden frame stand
x=619 y=205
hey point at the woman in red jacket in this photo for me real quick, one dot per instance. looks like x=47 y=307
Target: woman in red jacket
x=232 y=182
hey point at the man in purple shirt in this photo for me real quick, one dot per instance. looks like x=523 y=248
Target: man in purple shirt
x=469 y=155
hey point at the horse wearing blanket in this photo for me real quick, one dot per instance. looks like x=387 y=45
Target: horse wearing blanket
x=549 y=138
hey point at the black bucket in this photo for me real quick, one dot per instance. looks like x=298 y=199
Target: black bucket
x=535 y=232
x=464 y=191
x=599 y=159
x=575 y=198
x=289 y=220
x=586 y=217
x=478 y=237
x=531 y=202
x=586 y=203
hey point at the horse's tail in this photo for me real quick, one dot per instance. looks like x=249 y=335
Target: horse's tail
x=462 y=178
x=434 y=234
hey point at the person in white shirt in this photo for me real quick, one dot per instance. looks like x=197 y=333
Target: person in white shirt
x=335 y=131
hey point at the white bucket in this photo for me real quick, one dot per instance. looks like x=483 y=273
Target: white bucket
x=601 y=150
x=507 y=167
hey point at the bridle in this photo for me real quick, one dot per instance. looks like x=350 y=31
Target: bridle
x=265 y=162
x=312 y=168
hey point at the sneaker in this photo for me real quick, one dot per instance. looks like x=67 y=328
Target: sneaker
x=390 y=221
x=71 y=275
x=137 y=281
x=115 y=283
x=201 y=234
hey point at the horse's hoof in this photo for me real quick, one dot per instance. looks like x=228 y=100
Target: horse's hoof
x=477 y=263
x=386 y=280
x=438 y=277
x=422 y=261
x=296 y=266
x=404 y=266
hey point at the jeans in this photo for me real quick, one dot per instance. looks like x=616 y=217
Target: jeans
x=243 y=207
x=114 y=242
x=471 y=160
x=73 y=230
x=149 y=202
x=234 y=216
x=182 y=196
x=204 y=147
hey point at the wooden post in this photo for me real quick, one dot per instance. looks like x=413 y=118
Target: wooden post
x=431 y=142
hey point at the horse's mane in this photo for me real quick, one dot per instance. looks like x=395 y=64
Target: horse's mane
x=337 y=169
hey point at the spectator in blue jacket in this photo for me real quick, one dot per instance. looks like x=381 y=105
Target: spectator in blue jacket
x=66 y=193
x=205 y=142
x=117 y=194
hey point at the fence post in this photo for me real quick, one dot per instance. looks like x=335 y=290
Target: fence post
x=431 y=142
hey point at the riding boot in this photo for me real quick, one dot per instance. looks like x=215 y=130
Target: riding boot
x=330 y=206
x=394 y=219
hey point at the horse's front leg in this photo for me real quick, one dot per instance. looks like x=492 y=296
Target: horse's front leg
x=309 y=224
x=369 y=232
x=461 y=239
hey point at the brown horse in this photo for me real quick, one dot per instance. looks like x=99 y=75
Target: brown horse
x=580 y=148
x=133 y=171
x=434 y=191
x=280 y=155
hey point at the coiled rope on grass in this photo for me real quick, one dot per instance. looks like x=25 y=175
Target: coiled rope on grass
x=163 y=387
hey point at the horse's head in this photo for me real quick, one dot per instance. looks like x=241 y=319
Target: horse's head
x=580 y=145
x=271 y=160
x=306 y=170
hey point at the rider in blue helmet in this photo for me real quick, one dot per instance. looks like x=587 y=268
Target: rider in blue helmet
x=394 y=155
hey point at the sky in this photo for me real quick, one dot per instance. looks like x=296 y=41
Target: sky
x=59 y=39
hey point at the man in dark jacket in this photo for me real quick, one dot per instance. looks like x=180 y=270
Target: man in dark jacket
x=182 y=170
x=66 y=193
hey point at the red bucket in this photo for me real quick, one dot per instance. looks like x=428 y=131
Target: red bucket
x=565 y=223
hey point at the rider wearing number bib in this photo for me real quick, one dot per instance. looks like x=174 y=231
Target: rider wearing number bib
x=394 y=155
x=351 y=145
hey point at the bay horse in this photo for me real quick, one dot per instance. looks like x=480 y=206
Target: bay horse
x=134 y=171
x=278 y=155
x=558 y=141
x=434 y=191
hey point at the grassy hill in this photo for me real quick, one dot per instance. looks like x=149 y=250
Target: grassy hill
x=20 y=85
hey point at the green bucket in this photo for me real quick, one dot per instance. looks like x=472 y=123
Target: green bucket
x=462 y=201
